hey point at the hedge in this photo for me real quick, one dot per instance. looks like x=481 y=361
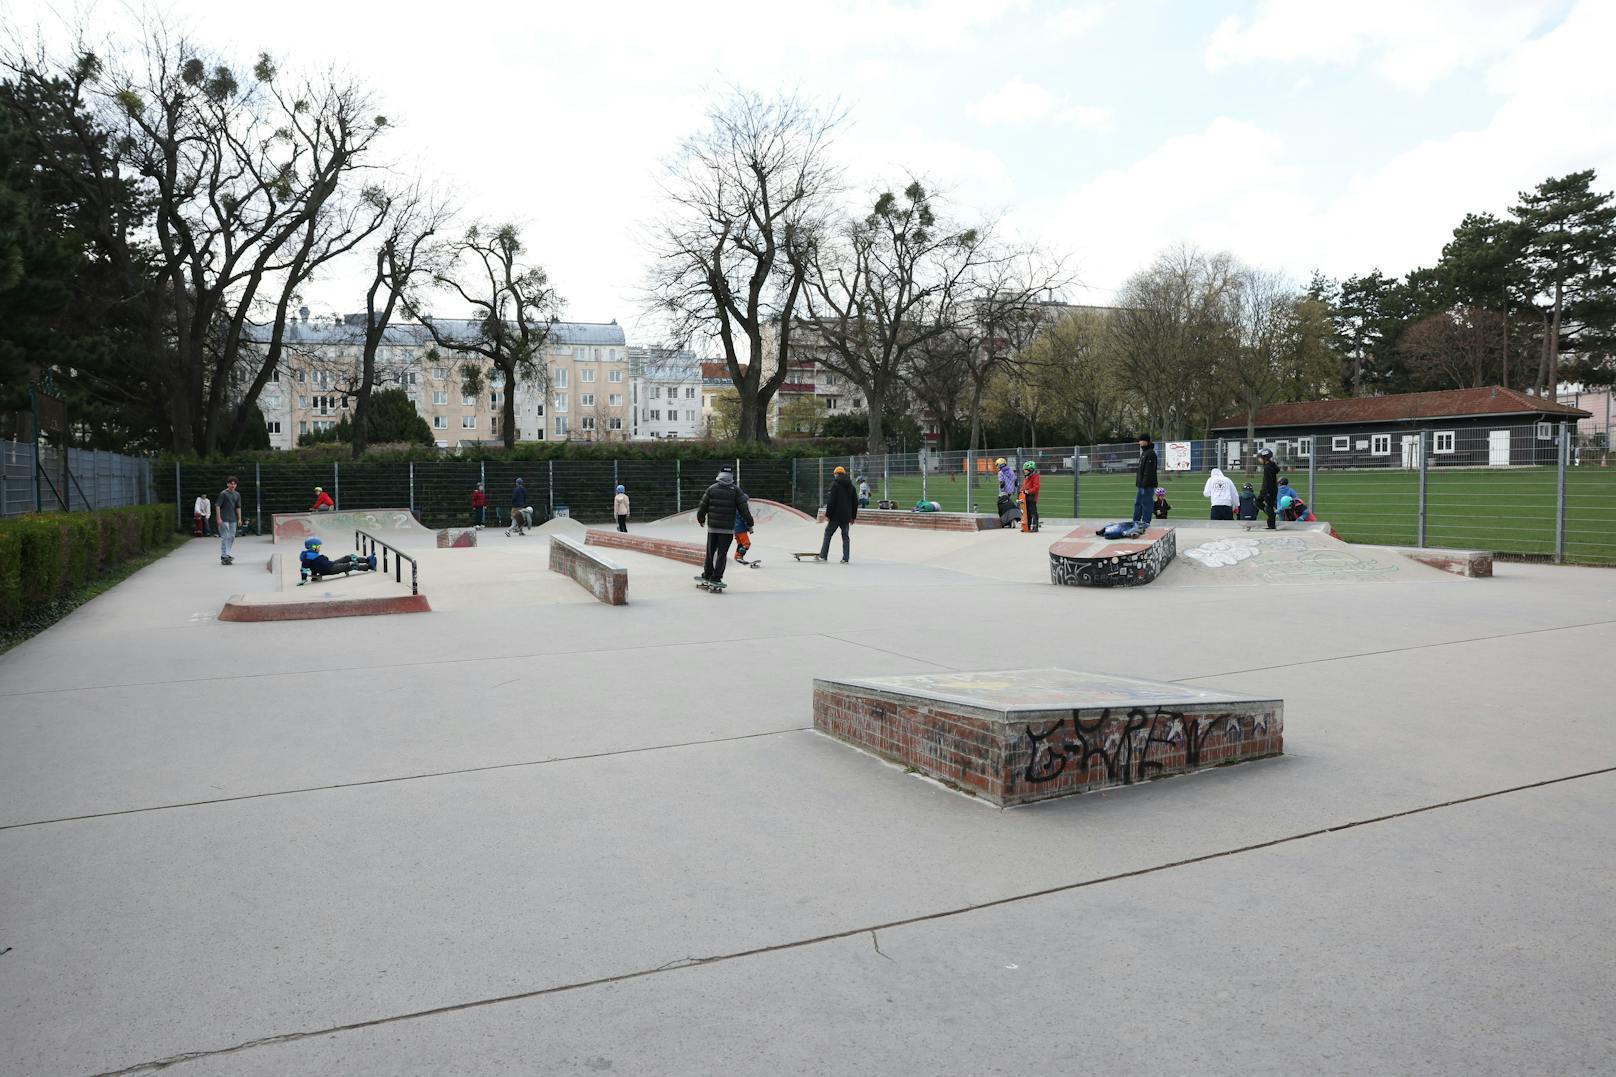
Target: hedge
x=48 y=555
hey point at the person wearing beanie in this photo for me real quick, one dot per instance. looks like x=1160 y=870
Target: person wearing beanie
x=1268 y=496
x=519 y=510
x=721 y=506
x=1144 y=494
x=479 y=506
x=620 y=508
x=841 y=509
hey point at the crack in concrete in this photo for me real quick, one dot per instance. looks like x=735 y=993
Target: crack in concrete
x=797 y=944
x=406 y=778
x=876 y=942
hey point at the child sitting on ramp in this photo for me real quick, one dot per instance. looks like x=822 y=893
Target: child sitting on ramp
x=312 y=564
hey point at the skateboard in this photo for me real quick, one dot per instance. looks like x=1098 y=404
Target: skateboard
x=814 y=554
x=712 y=586
x=754 y=563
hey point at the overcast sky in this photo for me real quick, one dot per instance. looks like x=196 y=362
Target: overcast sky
x=1297 y=134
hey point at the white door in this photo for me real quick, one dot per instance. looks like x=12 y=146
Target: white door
x=1411 y=450
x=1498 y=448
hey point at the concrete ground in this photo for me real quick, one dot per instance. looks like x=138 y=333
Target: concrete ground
x=527 y=834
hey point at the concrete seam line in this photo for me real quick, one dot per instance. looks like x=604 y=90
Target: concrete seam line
x=870 y=929
x=408 y=665
x=887 y=650
x=407 y=778
x=1393 y=650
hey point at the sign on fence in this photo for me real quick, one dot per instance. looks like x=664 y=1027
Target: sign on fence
x=1178 y=456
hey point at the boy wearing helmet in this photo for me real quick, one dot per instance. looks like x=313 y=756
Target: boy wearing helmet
x=1268 y=496
x=620 y=508
x=322 y=501
x=1029 y=494
x=312 y=564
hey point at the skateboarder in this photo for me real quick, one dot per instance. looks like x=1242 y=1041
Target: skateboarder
x=841 y=509
x=202 y=515
x=519 y=516
x=720 y=508
x=1221 y=492
x=227 y=517
x=743 y=538
x=1268 y=496
x=1248 y=502
x=1029 y=493
x=620 y=508
x=322 y=501
x=1144 y=483
x=312 y=564
x=479 y=506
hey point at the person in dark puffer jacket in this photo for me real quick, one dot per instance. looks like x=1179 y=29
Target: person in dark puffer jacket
x=841 y=509
x=721 y=506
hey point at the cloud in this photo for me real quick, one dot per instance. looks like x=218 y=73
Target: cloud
x=1410 y=44
x=1019 y=101
x=1074 y=21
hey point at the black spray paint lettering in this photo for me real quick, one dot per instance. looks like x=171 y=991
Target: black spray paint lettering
x=1125 y=752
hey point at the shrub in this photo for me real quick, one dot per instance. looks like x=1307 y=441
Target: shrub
x=46 y=556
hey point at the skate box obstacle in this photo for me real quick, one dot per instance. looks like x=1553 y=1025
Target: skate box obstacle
x=1019 y=736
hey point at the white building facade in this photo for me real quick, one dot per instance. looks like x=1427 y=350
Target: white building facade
x=666 y=393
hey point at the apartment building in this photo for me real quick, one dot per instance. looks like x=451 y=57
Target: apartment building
x=666 y=391
x=587 y=396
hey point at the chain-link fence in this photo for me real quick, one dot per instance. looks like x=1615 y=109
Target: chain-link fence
x=79 y=480
x=1539 y=489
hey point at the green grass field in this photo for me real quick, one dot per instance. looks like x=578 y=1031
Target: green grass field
x=1506 y=511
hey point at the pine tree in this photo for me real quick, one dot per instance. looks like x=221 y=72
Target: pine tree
x=1570 y=254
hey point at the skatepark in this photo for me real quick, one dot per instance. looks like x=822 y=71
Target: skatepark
x=529 y=831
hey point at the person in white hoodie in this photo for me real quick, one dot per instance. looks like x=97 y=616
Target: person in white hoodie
x=1220 y=490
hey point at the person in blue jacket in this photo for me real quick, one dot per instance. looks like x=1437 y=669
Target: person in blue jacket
x=313 y=564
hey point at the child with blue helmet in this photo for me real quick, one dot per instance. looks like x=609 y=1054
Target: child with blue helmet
x=620 y=508
x=312 y=564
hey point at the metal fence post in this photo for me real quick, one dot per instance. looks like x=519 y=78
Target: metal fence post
x=258 y=497
x=1560 y=495
x=678 y=486
x=412 y=487
x=616 y=482
x=336 y=486
x=1313 y=478
x=886 y=477
x=1077 y=481
x=925 y=495
x=1424 y=475
x=737 y=471
x=970 y=477
x=549 y=484
x=821 y=496
x=179 y=495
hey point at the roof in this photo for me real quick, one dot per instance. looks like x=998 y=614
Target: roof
x=716 y=370
x=1485 y=402
x=351 y=331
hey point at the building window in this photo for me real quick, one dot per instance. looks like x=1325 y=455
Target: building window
x=409 y=378
x=656 y=392
x=588 y=422
x=615 y=400
x=561 y=379
x=1545 y=431
x=468 y=422
x=1380 y=444
x=611 y=353
x=442 y=397
x=275 y=374
x=561 y=424
x=831 y=402
x=497 y=378
x=690 y=393
x=302 y=428
x=302 y=376
x=586 y=400
x=1304 y=447
x=439 y=373
x=580 y=355
x=561 y=401
x=614 y=375
x=656 y=416
x=1339 y=444
x=273 y=427
x=1444 y=441
x=467 y=400
x=587 y=376
x=440 y=422
x=614 y=423
x=690 y=416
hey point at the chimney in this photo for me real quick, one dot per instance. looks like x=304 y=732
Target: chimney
x=303 y=315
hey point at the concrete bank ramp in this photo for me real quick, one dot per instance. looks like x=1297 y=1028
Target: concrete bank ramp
x=398 y=526
x=1256 y=558
x=764 y=512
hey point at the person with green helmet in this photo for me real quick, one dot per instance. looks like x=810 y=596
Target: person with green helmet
x=1029 y=492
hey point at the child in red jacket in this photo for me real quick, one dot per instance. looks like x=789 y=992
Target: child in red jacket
x=1029 y=493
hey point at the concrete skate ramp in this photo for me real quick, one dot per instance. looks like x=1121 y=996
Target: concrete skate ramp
x=764 y=512
x=1236 y=557
x=397 y=526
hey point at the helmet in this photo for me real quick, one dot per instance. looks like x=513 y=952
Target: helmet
x=319 y=489
x=1285 y=502
x=999 y=462
x=311 y=543
x=838 y=471
x=1265 y=453
x=1161 y=491
x=620 y=488
x=1029 y=466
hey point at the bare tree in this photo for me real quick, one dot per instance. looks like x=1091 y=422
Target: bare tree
x=514 y=309
x=938 y=375
x=408 y=255
x=1280 y=347
x=743 y=197
x=1076 y=359
x=1455 y=348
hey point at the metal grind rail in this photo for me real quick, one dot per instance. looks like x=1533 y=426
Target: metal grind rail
x=368 y=544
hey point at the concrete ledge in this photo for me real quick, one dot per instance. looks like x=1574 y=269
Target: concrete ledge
x=1475 y=564
x=925 y=521
x=245 y=608
x=1019 y=736
x=1083 y=559
x=457 y=538
x=606 y=580
x=688 y=552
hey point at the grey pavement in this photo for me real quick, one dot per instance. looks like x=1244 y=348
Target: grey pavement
x=544 y=838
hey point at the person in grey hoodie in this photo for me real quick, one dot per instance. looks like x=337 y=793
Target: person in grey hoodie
x=722 y=504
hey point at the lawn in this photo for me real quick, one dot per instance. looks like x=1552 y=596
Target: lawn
x=1503 y=510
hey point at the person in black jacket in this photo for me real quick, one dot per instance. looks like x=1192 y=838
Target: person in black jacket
x=1268 y=496
x=841 y=509
x=722 y=504
x=1144 y=494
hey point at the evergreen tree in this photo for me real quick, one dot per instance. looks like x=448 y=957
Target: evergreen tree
x=1570 y=256
x=393 y=418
